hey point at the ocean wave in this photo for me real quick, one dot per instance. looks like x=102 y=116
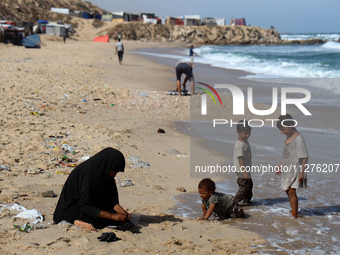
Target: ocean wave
x=332 y=45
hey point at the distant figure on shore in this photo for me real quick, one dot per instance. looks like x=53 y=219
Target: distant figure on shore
x=120 y=51
x=115 y=36
x=222 y=205
x=294 y=161
x=191 y=54
x=64 y=38
x=186 y=68
x=242 y=162
x=89 y=198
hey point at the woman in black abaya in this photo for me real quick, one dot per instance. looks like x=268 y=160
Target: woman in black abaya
x=90 y=197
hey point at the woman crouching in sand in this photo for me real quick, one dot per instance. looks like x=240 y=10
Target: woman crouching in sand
x=89 y=198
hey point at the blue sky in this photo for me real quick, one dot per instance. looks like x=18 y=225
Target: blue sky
x=294 y=16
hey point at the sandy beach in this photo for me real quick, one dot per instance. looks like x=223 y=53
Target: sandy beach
x=76 y=96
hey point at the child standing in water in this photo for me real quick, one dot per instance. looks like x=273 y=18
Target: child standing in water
x=294 y=160
x=242 y=162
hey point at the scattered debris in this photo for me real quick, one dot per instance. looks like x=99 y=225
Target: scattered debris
x=181 y=189
x=136 y=162
x=161 y=131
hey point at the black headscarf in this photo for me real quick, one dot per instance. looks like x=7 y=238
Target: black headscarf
x=89 y=189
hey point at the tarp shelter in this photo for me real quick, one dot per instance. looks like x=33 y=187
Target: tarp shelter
x=60 y=10
x=11 y=34
x=149 y=20
x=117 y=16
x=220 y=21
x=148 y=15
x=31 y=41
x=238 y=22
x=209 y=21
x=131 y=16
x=192 y=20
x=86 y=15
x=60 y=30
x=107 y=17
x=102 y=39
x=41 y=27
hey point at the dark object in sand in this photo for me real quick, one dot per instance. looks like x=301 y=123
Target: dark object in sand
x=161 y=131
x=108 y=237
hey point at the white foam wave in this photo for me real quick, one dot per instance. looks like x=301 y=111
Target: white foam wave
x=332 y=45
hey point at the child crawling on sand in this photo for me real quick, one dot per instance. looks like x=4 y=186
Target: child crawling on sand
x=222 y=205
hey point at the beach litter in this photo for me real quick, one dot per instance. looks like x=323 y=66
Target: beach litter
x=136 y=162
x=125 y=183
x=33 y=215
x=108 y=237
x=2 y=167
x=161 y=131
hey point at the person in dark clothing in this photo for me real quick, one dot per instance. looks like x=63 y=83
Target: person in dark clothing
x=184 y=68
x=89 y=198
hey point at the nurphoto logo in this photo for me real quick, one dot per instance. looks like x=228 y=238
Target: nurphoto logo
x=301 y=96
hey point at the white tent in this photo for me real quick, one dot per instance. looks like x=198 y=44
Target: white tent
x=60 y=10
x=149 y=20
x=192 y=20
x=58 y=29
x=220 y=21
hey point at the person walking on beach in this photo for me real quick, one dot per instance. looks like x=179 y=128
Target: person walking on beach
x=242 y=162
x=89 y=198
x=120 y=51
x=222 y=205
x=186 y=68
x=294 y=161
x=191 y=54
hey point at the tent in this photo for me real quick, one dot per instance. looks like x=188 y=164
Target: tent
x=192 y=20
x=60 y=30
x=31 y=41
x=209 y=21
x=102 y=39
x=149 y=20
x=238 y=22
x=60 y=10
x=220 y=21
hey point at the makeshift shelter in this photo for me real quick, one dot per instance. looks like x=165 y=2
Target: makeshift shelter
x=131 y=16
x=31 y=41
x=117 y=16
x=238 y=22
x=11 y=34
x=107 y=17
x=209 y=21
x=60 y=10
x=220 y=21
x=148 y=15
x=192 y=20
x=102 y=39
x=60 y=30
x=41 y=27
x=149 y=20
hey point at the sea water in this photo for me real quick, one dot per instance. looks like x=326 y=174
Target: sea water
x=316 y=231
x=315 y=67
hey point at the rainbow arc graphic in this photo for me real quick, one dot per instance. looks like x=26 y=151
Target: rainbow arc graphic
x=204 y=97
